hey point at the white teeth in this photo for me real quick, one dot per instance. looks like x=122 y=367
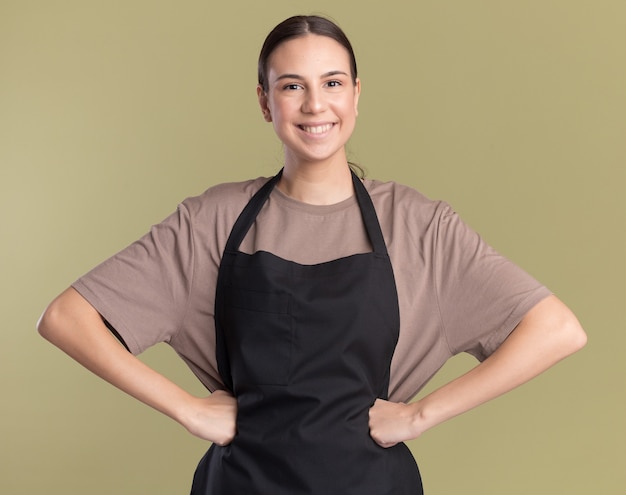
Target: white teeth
x=319 y=129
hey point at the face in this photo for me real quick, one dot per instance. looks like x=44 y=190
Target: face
x=311 y=99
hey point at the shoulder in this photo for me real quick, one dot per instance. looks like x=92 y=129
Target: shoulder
x=223 y=198
x=399 y=201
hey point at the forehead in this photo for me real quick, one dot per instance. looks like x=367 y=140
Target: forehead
x=309 y=54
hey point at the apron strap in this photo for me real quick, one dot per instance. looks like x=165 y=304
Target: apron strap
x=249 y=214
x=252 y=209
x=370 y=219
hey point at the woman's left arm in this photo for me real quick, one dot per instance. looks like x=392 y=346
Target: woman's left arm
x=548 y=333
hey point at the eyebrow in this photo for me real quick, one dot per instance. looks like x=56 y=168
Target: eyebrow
x=300 y=78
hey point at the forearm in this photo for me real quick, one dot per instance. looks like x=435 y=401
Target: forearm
x=546 y=335
x=74 y=326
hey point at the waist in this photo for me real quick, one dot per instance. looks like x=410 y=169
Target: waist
x=313 y=467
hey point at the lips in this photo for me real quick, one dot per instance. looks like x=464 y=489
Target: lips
x=316 y=129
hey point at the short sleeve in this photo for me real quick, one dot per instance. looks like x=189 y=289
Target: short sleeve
x=142 y=291
x=482 y=296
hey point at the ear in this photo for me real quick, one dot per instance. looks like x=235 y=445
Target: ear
x=357 y=94
x=263 y=103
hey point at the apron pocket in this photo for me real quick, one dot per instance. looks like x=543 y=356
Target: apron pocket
x=259 y=336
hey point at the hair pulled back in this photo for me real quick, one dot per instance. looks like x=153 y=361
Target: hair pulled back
x=295 y=27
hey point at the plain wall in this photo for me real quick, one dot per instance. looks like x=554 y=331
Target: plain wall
x=112 y=112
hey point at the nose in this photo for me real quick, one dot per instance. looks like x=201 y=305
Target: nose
x=314 y=101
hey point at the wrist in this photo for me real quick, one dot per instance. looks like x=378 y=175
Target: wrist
x=183 y=408
x=423 y=417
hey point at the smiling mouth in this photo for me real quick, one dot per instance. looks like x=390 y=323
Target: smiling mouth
x=316 y=129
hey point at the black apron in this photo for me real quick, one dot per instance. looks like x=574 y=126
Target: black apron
x=306 y=350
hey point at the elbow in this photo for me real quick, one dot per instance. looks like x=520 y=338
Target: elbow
x=577 y=336
x=556 y=331
x=58 y=316
x=572 y=335
x=49 y=321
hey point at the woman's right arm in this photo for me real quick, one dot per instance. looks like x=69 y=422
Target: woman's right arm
x=73 y=325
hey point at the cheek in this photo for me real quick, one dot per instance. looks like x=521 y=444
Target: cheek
x=280 y=122
x=348 y=104
x=350 y=109
x=280 y=110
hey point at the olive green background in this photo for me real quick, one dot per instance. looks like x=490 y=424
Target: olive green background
x=113 y=112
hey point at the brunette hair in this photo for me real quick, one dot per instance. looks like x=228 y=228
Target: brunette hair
x=295 y=27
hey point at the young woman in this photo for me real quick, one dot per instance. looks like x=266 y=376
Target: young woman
x=314 y=305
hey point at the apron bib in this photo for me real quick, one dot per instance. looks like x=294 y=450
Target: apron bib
x=306 y=350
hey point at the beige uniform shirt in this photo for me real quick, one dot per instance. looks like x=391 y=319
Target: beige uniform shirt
x=456 y=294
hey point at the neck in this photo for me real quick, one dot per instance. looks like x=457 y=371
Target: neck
x=317 y=184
